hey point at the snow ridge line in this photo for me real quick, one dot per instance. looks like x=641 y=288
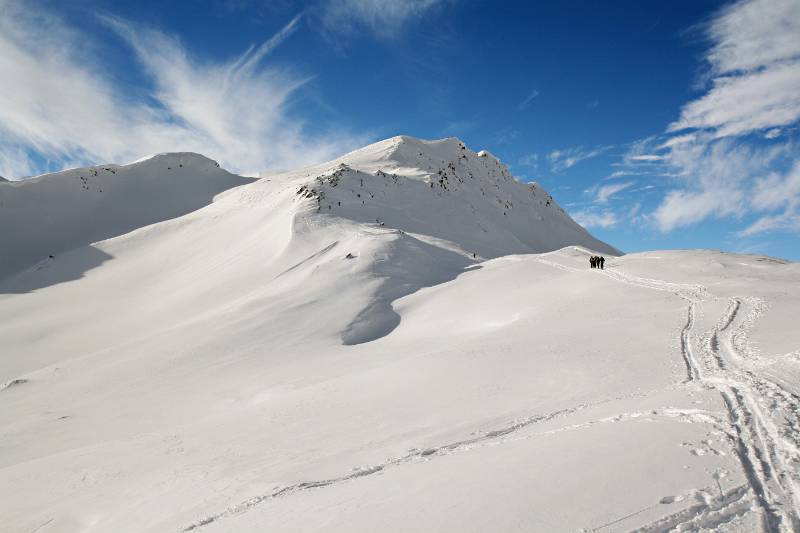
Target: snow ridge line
x=687 y=291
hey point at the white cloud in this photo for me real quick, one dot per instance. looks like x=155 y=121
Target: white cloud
x=528 y=99
x=530 y=160
x=740 y=104
x=647 y=157
x=57 y=103
x=724 y=170
x=785 y=221
x=620 y=174
x=777 y=192
x=755 y=61
x=719 y=176
x=561 y=160
x=605 y=192
x=642 y=153
x=595 y=219
x=678 y=139
x=382 y=17
x=681 y=208
x=750 y=34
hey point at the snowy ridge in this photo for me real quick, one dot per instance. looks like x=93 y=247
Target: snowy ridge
x=444 y=190
x=358 y=345
x=53 y=213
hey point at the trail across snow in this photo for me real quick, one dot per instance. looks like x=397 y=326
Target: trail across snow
x=762 y=419
x=766 y=447
x=403 y=339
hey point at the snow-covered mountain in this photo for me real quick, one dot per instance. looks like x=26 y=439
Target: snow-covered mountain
x=53 y=213
x=444 y=190
x=403 y=339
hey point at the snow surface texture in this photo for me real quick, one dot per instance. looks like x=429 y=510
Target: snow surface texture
x=404 y=339
x=53 y=213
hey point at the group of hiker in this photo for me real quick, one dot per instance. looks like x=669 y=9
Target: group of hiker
x=597 y=261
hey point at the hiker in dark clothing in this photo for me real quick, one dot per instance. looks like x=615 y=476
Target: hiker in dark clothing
x=602 y=261
x=591 y=261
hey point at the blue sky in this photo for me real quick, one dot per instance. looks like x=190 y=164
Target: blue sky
x=655 y=124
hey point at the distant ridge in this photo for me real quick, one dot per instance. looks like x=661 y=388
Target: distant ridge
x=436 y=189
x=53 y=213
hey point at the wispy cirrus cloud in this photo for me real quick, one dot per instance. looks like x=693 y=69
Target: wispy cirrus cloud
x=647 y=158
x=755 y=64
x=384 y=18
x=561 y=160
x=604 y=193
x=777 y=192
x=742 y=103
x=528 y=99
x=621 y=174
x=720 y=177
x=590 y=218
x=58 y=106
x=529 y=160
x=725 y=149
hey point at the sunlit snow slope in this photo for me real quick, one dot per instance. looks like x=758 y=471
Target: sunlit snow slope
x=57 y=212
x=404 y=339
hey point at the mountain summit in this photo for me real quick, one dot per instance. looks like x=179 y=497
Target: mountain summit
x=403 y=339
x=443 y=189
x=408 y=213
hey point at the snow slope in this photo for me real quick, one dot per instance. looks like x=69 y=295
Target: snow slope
x=269 y=363
x=444 y=190
x=53 y=213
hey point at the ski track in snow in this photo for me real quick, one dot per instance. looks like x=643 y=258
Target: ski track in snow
x=706 y=513
x=413 y=455
x=495 y=437
x=768 y=449
x=762 y=415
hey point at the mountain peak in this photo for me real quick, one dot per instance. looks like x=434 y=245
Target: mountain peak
x=444 y=190
x=189 y=158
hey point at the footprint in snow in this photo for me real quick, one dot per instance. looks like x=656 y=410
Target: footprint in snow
x=671 y=499
x=13 y=383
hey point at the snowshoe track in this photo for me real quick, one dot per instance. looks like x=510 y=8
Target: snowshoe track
x=762 y=415
x=768 y=450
